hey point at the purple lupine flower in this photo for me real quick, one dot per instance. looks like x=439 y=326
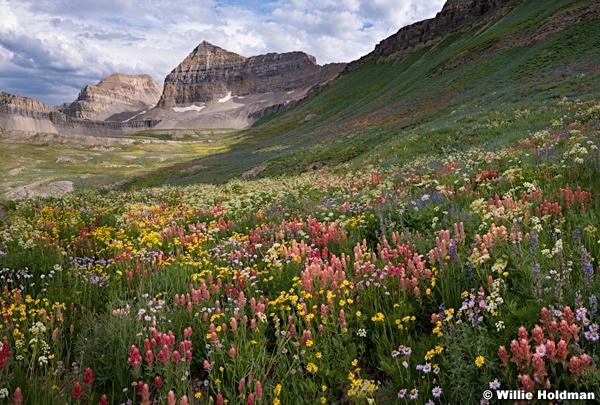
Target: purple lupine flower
x=588 y=268
x=593 y=306
x=452 y=250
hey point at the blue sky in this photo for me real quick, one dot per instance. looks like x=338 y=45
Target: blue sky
x=50 y=49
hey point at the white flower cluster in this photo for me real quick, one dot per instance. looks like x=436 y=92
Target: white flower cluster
x=3 y=392
x=26 y=244
x=499 y=266
x=577 y=151
x=38 y=328
x=261 y=317
x=541 y=135
x=494 y=300
x=537 y=224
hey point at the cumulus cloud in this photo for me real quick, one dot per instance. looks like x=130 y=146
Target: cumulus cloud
x=50 y=49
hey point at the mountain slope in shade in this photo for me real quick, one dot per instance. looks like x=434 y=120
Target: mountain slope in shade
x=454 y=14
x=118 y=97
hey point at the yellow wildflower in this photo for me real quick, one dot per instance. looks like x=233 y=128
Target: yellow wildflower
x=379 y=317
x=312 y=368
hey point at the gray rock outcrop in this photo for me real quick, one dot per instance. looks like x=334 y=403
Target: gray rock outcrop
x=117 y=97
x=25 y=114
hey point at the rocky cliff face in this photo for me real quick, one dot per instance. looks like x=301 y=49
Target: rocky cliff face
x=10 y=102
x=210 y=73
x=117 y=97
x=429 y=32
x=25 y=114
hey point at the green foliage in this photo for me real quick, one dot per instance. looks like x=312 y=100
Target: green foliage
x=433 y=228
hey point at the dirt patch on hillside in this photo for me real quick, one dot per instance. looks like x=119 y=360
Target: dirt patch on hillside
x=16 y=171
x=41 y=189
x=252 y=173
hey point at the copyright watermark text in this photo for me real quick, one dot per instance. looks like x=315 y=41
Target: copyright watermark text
x=540 y=395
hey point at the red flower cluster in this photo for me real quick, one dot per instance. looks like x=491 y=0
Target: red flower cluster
x=548 y=344
x=575 y=197
x=166 y=341
x=88 y=376
x=4 y=354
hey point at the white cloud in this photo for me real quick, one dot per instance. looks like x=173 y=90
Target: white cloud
x=49 y=49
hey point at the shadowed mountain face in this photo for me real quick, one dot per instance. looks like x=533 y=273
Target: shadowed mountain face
x=411 y=38
x=117 y=97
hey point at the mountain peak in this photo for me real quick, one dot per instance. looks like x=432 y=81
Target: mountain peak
x=211 y=73
x=205 y=44
x=207 y=47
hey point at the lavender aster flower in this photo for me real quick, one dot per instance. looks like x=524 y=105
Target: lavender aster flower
x=414 y=393
x=540 y=350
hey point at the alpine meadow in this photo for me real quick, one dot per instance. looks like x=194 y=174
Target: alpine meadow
x=419 y=226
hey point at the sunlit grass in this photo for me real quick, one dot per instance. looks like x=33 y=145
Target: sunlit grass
x=88 y=161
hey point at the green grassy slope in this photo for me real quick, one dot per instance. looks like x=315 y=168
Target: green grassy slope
x=492 y=83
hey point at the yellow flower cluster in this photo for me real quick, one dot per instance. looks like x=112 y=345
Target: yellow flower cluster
x=360 y=388
x=406 y=320
x=379 y=317
x=312 y=368
x=437 y=350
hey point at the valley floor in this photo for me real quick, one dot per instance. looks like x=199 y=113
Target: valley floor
x=49 y=165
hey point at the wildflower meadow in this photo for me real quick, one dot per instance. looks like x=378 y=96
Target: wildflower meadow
x=426 y=282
